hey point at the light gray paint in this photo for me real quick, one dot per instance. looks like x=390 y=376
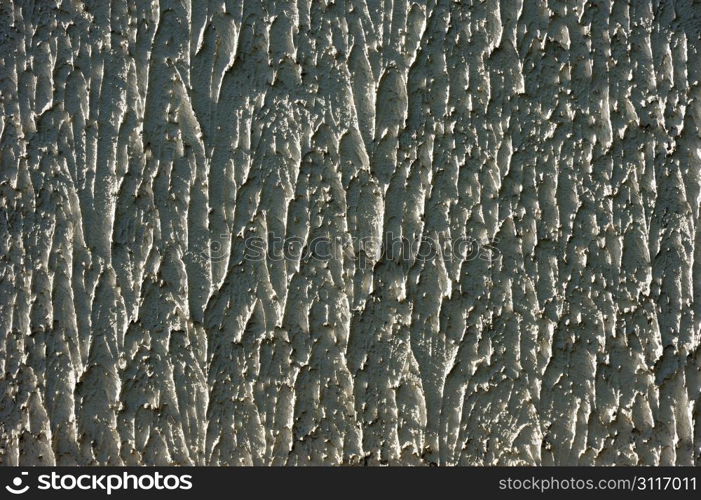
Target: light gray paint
x=141 y=143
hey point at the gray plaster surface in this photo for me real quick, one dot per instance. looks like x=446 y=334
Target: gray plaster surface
x=155 y=154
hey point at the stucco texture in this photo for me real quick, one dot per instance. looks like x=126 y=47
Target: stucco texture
x=154 y=154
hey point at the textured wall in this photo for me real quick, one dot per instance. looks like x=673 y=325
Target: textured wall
x=144 y=145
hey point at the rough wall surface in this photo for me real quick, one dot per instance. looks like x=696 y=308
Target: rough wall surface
x=143 y=145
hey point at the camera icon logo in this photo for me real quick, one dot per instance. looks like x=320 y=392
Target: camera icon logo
x=16 y=488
